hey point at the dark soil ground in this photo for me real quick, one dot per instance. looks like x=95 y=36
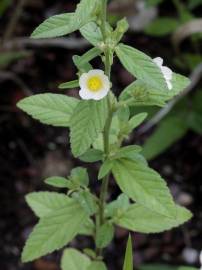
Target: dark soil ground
x=29 y=152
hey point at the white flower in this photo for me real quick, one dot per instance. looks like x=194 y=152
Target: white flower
x=94 y=85
x=167 y=72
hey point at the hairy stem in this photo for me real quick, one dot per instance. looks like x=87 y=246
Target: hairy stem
x=105 y=181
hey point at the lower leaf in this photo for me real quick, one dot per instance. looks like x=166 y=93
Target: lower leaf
x=74 y=260
x=144 y=185
x=55 y=231
x=140 y=219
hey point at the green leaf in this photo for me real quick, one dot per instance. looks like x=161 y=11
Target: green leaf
x=79 y=176
x=87 y=201
x=69 y=85
x=137 y=120
x=117 y=207
x=88 y=56
x=140 y=94
x=121 y=29
x=126 y=151
x=96 y=265
x=87 y=122
x=56 y=181
x=162 y=26
x=141 y=66
x=144 y=185
x=92 y=33
x=51 y=109
x=73 y=259
x=63 y=24
x=105 y=169
x=104 y=235
x=123 y=114
x=84 y=68
x=141 y=219
x=128 y=262
x=92 y=155
x=170 y=130
x=56 y=26
x=90 y=253
x=88 y=228
x=54 y=231
x=45 y=203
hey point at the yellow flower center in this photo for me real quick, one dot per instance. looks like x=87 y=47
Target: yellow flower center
x=95 y=83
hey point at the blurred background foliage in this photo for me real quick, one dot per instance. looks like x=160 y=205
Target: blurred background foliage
x=171 y=136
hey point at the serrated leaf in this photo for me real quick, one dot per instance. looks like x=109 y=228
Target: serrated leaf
x=141 y=66
x=56 y=26
x=127 y=151
x=92 y=155
x=117 y=207
x=50 y=109
x=128 y=261
x=56 y=181
x=88 y=228
x=55 y=230
x=104 y=235
x=92 y=33
x=69 y=85
x=140 y=94
x=105 y=169
x=79 y=176
x=87 y=201
x=44 y=203
x=97 y=265
x=167 y=133
x=73 y=259
x=121 y=29
x=87 y=122
x=141 y=219
x=144 y=185
x=63 y=24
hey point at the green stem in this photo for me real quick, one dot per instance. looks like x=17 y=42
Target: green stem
x=105 y=181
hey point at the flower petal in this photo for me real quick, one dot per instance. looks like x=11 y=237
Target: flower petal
x=83 y=80
x=158 y=61
x=85 y=94
x=167 y=72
